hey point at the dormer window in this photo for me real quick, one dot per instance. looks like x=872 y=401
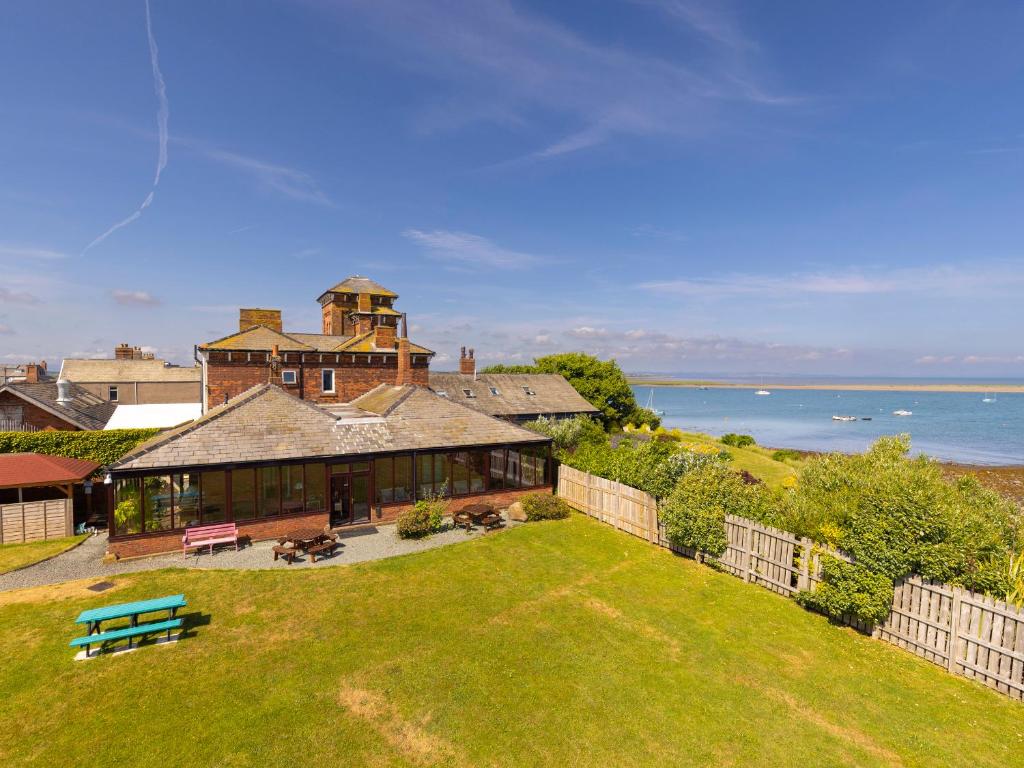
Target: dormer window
x=529 y=391
x=494 y=391
x=469 y=393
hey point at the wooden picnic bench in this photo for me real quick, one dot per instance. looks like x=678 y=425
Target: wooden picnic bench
x=95 y=617
x=208 y=535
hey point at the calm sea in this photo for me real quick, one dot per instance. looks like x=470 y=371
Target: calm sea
x=956 y=426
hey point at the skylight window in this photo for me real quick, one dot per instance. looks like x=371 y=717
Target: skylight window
x=469 y=393
x=441 y=393
x=494 y=391
x=529 y=391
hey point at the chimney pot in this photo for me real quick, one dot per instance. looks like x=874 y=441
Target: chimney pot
x=467 y=365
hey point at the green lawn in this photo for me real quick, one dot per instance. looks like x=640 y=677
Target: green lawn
x=19 y=555
x=754 y=459
x=560 y=643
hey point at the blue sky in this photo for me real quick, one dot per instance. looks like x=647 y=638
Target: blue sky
x=688 y=186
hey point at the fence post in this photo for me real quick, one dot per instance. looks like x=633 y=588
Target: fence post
x=953 y=647
x=748 y=550
x=803 y=579
x=652 y=519
x=587 y=508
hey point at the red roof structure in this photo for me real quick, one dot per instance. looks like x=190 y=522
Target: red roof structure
x=30 y=470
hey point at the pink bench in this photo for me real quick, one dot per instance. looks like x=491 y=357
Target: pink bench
x=208 y=535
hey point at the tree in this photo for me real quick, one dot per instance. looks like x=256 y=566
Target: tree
x=599 y=382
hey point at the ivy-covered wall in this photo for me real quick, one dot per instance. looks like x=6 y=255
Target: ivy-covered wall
x=103 y=446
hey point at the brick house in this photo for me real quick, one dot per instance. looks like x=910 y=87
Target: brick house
x=273 y=463
x=362 y=344
x=36 y=403
x=134 y=377
x=517 y=397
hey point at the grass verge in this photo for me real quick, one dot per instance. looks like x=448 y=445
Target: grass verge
x=557 y=643
x=14 y=556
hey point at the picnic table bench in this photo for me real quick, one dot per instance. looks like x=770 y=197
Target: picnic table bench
x=94 y=618
x=203 y=535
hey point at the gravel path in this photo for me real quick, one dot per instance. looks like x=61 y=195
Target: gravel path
x=86 y=560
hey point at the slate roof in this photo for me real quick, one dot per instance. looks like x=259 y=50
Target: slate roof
x=360 y=284
x=37 y=469
x=262 y=339
x=85 y=410
x=87 y=371
x=266 y=423
x=552 y=393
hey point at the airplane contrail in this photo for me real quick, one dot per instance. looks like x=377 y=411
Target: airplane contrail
x=162 y=115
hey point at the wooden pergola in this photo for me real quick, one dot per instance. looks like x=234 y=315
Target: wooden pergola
x=35 y=470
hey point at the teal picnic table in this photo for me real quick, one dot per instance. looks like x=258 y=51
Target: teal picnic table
x=95 y=617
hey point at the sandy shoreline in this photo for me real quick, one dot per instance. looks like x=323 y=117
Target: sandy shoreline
x=852 y=387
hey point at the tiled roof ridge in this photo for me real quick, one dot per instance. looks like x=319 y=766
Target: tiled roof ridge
x=253 y=328
x=502 y=421
x=210 y=416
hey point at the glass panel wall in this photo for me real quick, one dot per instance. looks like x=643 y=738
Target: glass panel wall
x=291 y=488
x=477 y=471
x=157 y=498
x=460 y=473
x=497 y=470
x=315 y=493
x=269 y=480
x=424 y=475
x=214 y=497
x=186 y=499
x=127 y=507
x=360 y=498
x=403 y=478
x=512 y=469
x=243 y=494
x=384 y=480
x=442 y=467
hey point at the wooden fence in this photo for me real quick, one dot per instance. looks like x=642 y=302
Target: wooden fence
x=967 y=634
x=35 y=521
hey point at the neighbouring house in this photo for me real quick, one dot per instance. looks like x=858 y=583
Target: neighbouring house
x=31 y=406
x=518 y=397
x=24 y=372
x=362 y=344
x=41 y=496
x=273 y=463
x=134 y=377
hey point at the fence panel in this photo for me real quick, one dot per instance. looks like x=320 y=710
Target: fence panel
x=968 y=634
x=35 y=521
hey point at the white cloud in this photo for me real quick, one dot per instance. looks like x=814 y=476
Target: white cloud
x=134 y=298
x=289 y=182
x=468 y=249
x=29 y=253
x=17 y=297
x=504 y=61
x=935 y=280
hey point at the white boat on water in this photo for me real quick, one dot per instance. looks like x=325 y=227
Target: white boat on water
x=844 y=418
x=902 y=412
x=989 y=398
x=762 y=392
x=650 y=404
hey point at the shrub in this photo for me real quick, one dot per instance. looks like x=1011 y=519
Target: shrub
x=850 y=589
x=737 y=441
x=651 y=466
x=544 y=506
x=786 y=454
x=101 y=446
x=567 y=435
x=423 y=519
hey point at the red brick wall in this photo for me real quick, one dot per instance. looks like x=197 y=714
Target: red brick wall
x=254 y=530
x=34 y=415
x=350 y=379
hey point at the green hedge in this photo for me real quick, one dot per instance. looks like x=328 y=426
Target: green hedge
x=102 y=446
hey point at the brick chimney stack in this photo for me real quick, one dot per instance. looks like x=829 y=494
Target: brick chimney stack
x=467 y=363
x=404 y=375
x=32 y=372
x=123 y=352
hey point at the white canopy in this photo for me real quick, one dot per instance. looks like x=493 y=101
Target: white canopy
x=160 y=415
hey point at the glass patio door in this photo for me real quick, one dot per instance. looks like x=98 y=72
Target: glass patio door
x=350 y=497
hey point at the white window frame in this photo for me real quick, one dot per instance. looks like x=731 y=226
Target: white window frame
x=112 y=393
x=334 y=382
x=289 y=373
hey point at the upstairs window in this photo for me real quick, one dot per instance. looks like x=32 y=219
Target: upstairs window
x=112 y=394
x=327 y=380
x=469 y=393
x=494 y=391
x=288 y=377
